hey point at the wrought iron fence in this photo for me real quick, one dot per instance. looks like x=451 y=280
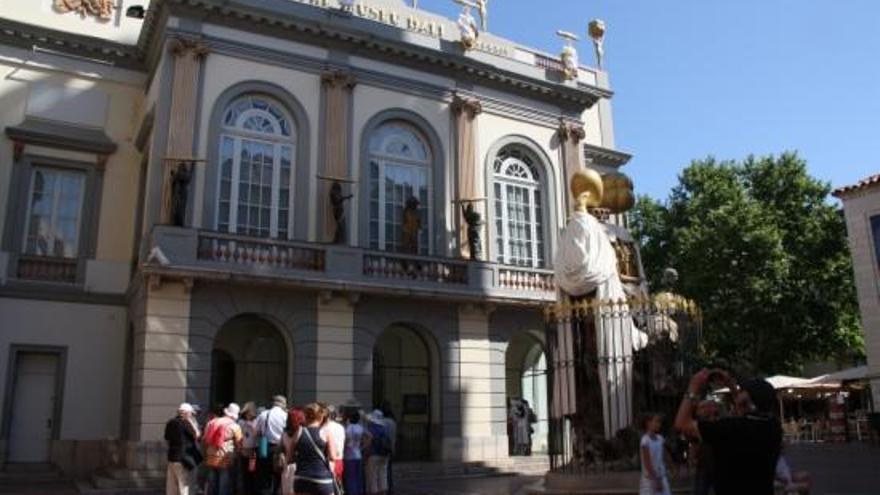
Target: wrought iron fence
x=610 y=363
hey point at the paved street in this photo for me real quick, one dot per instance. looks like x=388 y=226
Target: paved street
x=848 y=469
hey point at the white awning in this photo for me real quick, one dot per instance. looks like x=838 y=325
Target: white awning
x=857 y=373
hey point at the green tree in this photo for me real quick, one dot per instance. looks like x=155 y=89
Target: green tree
x=762 y=251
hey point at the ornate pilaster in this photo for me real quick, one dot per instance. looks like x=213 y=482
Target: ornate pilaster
x=337 y=87
x=188 y=57
x=570 y=137
x=469 y=180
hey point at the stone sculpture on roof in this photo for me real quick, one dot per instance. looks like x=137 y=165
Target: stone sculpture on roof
x=102 y=9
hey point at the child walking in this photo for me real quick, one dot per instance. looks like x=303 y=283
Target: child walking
x=654 y=481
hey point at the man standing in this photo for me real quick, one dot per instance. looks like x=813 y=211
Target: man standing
x=270 y=425
x=746 y=446
x=181 y=434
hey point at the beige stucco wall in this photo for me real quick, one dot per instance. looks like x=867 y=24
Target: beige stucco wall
x=859 y=209
x=222 y=72
x=120 y=94
x=369 y=101
x=491 y=128
x=94 y=337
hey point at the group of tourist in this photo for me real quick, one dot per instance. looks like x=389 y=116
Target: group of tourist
x=311 y=450
x=736 y=453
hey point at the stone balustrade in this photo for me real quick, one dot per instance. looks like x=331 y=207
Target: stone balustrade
x=233 y=249
x=422 y=269
x=191 y=253
x=47 y=269
x=526 y=279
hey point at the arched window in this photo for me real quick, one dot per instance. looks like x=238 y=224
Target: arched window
x=518 y=208
x=399 y=169
x=256 y=159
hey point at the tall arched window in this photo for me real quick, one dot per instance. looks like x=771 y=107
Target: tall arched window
x=256 y=160
x=518 y=208
x=399 y=169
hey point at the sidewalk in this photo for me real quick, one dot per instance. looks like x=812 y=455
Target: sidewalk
x=838 y=469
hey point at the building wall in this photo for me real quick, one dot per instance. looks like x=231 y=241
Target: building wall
x=94 y=337
x=222 y=72
x=107 y=99
x=859 y=208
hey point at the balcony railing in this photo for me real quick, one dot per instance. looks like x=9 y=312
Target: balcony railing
x=47 y=269
x=423 y=269
x=526 y=279
x=238 y=250
x=194 y=253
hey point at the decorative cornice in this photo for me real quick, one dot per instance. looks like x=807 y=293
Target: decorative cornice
x=605 y=156
x=313 y=25
x=60 y=135
x=100 y=50
x=466 y=105
x=338 y=78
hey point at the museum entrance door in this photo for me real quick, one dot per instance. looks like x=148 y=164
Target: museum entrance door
x=526 y=380
x=248 y=362
x=402 y=383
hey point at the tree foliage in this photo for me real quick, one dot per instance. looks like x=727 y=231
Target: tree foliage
x=757 y=244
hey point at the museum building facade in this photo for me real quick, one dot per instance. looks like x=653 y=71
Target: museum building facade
x=170 y=230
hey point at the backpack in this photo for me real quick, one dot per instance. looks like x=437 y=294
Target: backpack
x=380 y=444
x=215 y=432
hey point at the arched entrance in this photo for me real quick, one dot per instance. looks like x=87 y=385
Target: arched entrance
x=526 y=381
x=248 y=362
x=402 y=383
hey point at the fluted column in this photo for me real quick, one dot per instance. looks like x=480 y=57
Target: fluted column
x=188 y=58
x=337 y=87
x=570 y=137
x=469 y=178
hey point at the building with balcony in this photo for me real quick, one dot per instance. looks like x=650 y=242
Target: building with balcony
x=168 y=233
x=861 y=205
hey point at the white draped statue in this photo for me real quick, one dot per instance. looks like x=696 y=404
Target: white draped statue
x=586 y=263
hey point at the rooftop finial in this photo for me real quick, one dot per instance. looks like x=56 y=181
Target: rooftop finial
x=597 y=33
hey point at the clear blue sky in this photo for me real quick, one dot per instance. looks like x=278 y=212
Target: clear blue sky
x=724 y=77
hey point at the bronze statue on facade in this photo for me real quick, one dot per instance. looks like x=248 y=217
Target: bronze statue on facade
x=337 y=202
x=181 y=175
x=474 y=222
x=411 y=226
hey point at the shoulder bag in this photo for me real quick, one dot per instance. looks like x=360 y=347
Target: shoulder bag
x=337 y=488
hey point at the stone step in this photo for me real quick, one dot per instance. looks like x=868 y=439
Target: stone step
x=127 y=474
x=106 y=482
x=30 y=474
x=437 y=470
x=89 y=488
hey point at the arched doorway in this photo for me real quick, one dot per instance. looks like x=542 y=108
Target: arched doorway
x=402 y=383
x=526 y=380
x=248 y=362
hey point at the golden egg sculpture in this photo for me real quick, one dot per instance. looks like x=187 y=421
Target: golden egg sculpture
x=619 y=196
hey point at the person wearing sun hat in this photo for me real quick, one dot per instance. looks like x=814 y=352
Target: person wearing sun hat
x=222 y=439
